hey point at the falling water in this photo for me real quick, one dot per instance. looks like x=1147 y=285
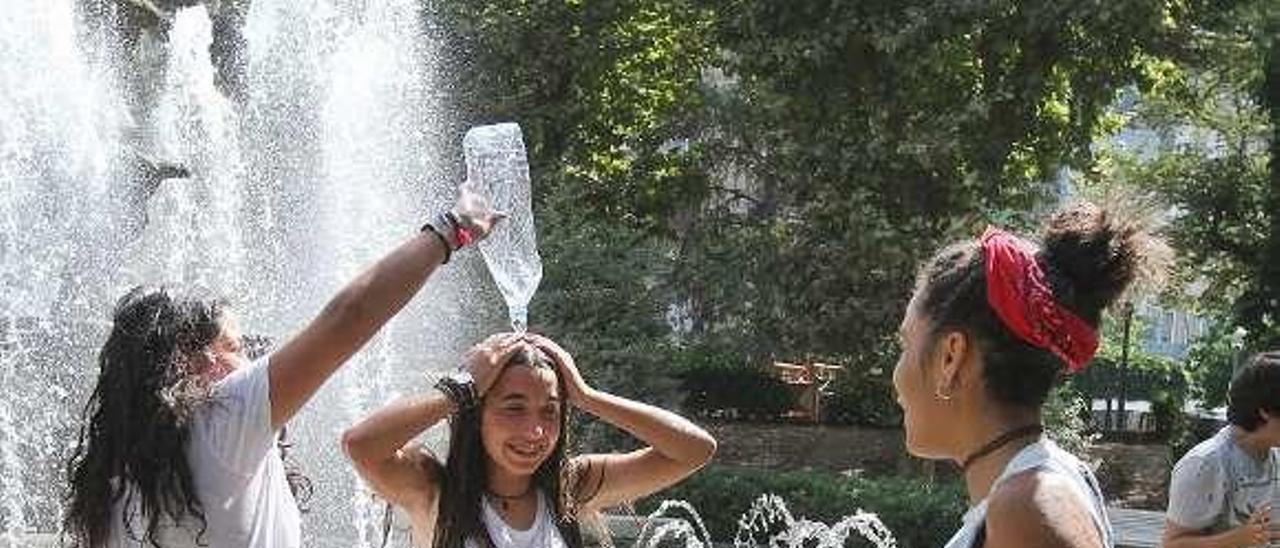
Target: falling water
x=338 y=151
x=59 y=129
x=768 y=522
x=498 y=170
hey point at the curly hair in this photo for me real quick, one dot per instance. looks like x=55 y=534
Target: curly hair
x=1090 y=255
x=132 y=444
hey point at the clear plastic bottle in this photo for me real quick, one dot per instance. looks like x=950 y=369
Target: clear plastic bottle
x=498 y=169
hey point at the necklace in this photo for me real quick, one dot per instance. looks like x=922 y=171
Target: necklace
x=504 y=501
x=1000 y=441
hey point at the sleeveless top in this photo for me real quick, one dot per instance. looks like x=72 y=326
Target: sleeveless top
x=1046 y=456
x=542 y=534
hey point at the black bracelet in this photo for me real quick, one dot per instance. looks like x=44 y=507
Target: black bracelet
x=462 y=394
x=428 y=227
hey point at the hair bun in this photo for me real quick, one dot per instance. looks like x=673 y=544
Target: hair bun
x=1093 y=254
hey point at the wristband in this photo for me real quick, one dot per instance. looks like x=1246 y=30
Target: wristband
x=462 y=394
x=428 y=227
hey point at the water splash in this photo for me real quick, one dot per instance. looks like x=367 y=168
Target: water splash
x=338 y=151
x=768 y=522
x=771 y=520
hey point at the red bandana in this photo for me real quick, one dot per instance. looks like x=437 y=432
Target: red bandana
x=1018 y=293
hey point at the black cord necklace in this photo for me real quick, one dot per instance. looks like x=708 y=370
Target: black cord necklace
x=1000 y=441
x=504 y=501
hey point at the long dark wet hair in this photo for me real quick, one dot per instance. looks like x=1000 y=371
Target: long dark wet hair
x=136 y=424
x=135 y=427
x=463 y=479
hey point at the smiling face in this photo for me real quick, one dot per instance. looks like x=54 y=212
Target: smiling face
x=520 y=419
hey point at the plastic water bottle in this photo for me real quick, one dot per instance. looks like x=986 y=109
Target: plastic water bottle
x=498 y=169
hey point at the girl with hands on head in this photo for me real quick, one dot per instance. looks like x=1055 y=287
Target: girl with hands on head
x=507 y=480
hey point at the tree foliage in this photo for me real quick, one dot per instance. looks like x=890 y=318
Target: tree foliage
x=1205 y=121
x=766 y=176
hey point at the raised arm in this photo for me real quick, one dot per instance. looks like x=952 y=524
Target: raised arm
x=380 y=445
x=676 y=446
x=303 y=363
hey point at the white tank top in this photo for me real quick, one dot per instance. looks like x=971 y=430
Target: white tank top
x=1041 y=455
x=542 y=534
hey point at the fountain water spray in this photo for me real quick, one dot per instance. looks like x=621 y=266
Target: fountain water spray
x=768 y=522
x=336 y=152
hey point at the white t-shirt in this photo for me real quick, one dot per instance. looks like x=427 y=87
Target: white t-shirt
x=238 y=475
x=1216 y=486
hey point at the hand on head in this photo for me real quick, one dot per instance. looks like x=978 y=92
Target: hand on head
x=485 y=361
x=573 y=381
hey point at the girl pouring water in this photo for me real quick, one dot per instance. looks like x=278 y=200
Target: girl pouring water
x=179 y=443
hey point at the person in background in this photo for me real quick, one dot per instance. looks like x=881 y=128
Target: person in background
x=1222 y=491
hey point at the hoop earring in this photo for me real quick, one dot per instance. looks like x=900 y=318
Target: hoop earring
x=937 y=394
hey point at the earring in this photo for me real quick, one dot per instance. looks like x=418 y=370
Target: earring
x=937 y=394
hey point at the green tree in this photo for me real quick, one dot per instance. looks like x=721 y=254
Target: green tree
x=769 y=174
x=601 y=90
x=1210 y=110
x=848 y=140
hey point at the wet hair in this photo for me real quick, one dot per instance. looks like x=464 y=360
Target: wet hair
x=1255 y=388
x=463 y=478
x=1089 y=256
x=135 y=427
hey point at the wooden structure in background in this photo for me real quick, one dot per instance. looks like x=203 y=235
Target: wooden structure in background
x=809 y=383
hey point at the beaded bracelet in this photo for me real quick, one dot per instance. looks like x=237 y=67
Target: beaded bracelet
x=462 y=394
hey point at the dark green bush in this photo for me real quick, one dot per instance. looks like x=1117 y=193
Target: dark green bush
x=921 y=515
x=862 y=396
x=720 y=384
x=862 y=392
